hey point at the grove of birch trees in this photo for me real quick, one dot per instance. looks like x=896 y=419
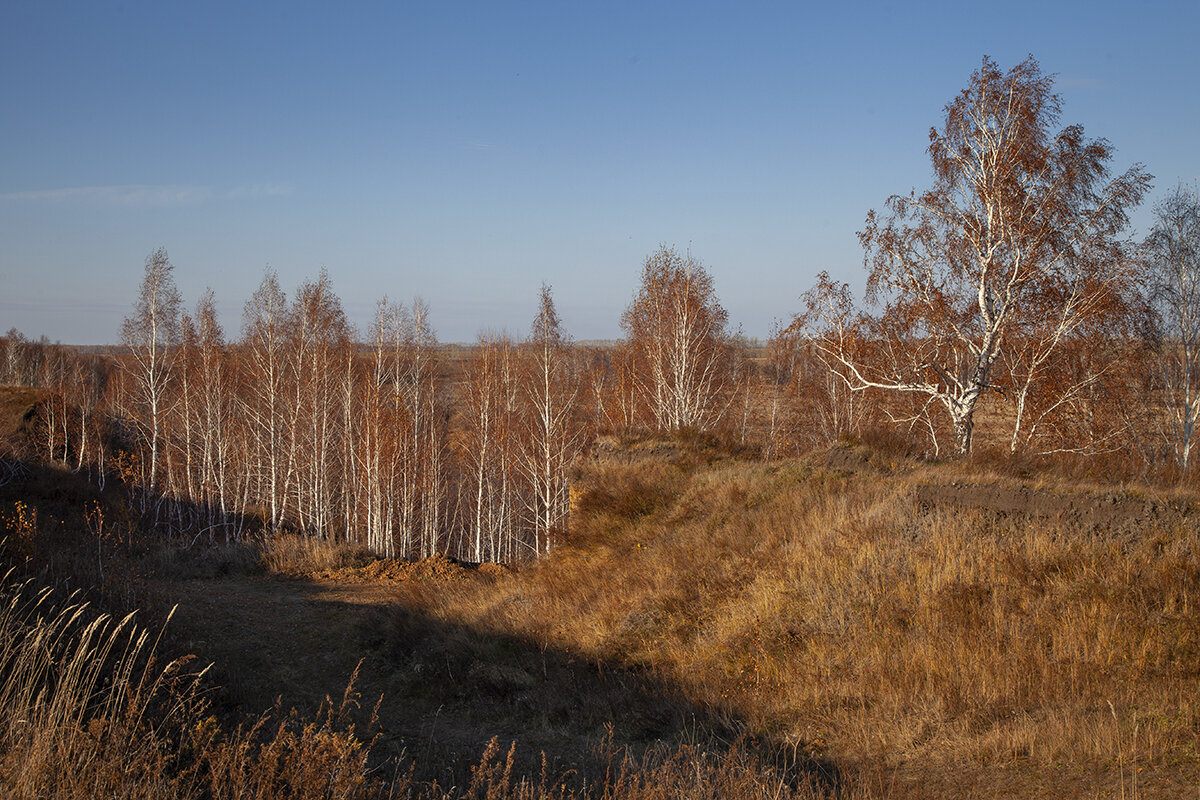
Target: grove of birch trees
x=389 y=440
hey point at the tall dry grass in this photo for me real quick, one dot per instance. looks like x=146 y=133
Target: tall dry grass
x=292 y=554
x=74 y=701
x=827 y=610
x=86 y=711
x=276 y=554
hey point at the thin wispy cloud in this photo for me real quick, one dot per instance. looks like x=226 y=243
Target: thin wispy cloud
x=1080 y=82
x=145 y=194
x=128 y=194
x=261 y=190
x=54 y=306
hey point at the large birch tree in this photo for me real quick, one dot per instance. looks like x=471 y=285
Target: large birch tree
x=1019 y=214
x=1173 y=256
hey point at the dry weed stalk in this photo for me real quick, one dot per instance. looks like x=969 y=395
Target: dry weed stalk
x=83 y=703
x=87 y=711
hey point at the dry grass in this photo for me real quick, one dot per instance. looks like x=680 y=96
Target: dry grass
x=64 y=732
x=820 y=610
x=279 y=554
x=86 y=711
x=683 y=773
x=289 y=554
x=827 y=611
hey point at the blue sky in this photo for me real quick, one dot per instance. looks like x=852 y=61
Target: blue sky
x=466 y=152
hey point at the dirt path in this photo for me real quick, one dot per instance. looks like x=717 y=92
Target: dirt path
x=298 y=642
x=1112 y=511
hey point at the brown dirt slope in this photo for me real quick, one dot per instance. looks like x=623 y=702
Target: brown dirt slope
x=1112 y=512
x=18 y=405
x=1087 y=510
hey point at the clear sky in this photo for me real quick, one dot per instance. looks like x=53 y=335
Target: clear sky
x=466 y=152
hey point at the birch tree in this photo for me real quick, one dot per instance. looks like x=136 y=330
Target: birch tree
x=264 y=329
x=216 y=415
x=380 y=432
x=150 y=333
x=553 y=436
x=1172 y=253
x=1017 y=213
x=89 y=375
x=425 y=398
x=12 y=347
x=318 y=338
x=487 y=452
x=676 y=332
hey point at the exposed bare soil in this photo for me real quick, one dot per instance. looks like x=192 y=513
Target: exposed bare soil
x=1110 y=512
x=611 y=450
x=18 y=405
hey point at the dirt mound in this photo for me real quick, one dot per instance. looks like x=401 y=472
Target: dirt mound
x=845 y=458
x=18 y=407
x=1111 y=511
x=438 y=568
x=612 y=450
x=493 y=570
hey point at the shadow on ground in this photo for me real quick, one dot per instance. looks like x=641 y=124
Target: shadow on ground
x=444 y=691
x=441 y=691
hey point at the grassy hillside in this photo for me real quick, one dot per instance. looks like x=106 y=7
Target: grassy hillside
x=846 y=614
x=856 y=624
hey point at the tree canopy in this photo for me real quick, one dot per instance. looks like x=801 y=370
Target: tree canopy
x=1018 y=240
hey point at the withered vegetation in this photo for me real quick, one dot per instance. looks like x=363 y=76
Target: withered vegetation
x=711 y=625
